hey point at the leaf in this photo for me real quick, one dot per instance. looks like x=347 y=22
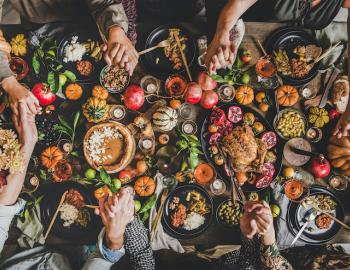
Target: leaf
x=193 y=160
x=181 y=145
x=26 y=214
x=43 y=175
x=148 y=204
x=76 y=119
x=51 y=81
x=145 y=217
x=36 y=65
x=59 y=67
x=105 y=177
x=64 y=123
x=75 y=154
x=38 y=200
x=48 y=43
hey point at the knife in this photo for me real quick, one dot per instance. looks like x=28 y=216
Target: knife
x=309 y=218
x=338 y=67
x=303 y=152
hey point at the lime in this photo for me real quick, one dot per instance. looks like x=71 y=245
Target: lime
x=117 y=184
x=245 y=79
x=90 y=174
x=137 y=204
x=275 y=210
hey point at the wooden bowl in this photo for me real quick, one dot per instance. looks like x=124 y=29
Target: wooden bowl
x=120 y=151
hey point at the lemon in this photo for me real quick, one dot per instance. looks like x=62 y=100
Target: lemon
x=288 y=172
x=90 y=174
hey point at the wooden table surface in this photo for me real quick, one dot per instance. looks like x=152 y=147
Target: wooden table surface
x=216 y=234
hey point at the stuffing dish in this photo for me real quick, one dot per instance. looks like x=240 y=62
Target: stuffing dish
x=172 y=52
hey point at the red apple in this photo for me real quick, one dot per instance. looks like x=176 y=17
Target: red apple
x=134 y=97
x=44 y=94
x=193 y=93
x=209 y=99
x=206 y=82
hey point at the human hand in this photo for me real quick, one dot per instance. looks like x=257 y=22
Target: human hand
x=119 y=50
x=24 y=123
x=116 y=212
x=220 y=53
x=19 y=94
x=257 y=218
x=343 y=126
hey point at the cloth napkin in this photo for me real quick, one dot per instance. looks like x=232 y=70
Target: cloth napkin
x=31 y=228
x=283 y=235
x=161 y=240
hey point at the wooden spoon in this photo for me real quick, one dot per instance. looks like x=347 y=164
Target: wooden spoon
x=161 y=44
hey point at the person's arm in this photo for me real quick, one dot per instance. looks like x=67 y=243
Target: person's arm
x=220 y=51
x=16 y=91
x=113 y=22
x=138 y=247
x=9 y=206
x=343 y=126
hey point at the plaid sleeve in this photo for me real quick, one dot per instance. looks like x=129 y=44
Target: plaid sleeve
x=247 y=257
x=137 y=246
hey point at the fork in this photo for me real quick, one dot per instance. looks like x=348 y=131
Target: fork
x=161 y=44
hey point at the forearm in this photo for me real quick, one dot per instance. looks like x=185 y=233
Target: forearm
x=107 y=14
x=230 y=14
x=5 y=71
x=271 y=259
x=137 y=246
x=11 y=191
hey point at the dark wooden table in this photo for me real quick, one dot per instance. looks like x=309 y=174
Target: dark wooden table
x=216 y=234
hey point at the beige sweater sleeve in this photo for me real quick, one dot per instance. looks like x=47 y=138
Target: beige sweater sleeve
x=108 y=13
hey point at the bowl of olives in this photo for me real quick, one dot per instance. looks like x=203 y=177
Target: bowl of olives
x=229 y=214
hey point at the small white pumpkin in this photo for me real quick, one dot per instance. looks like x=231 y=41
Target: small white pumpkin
x=165 y=118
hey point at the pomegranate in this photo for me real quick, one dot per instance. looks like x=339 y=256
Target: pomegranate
x=320 y=167
x=44 y=94
x=217 y=117
x=209 y=99
x=134 y=97
x=193 y=93
x=206 y=82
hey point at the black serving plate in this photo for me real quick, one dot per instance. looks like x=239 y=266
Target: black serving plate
x=181 y=192
x=287 y=39
x=49 y=205
x=82 y=38
x=296 y=218
x=164 y=67
x=205 y=135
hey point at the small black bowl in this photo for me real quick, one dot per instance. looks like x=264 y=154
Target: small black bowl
x=221 y=222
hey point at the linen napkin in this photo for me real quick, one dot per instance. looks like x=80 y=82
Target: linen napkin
x=283 y=235
x=162 y=240
x=31 y=228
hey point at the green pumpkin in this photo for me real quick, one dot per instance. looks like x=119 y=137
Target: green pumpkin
x=165 y=118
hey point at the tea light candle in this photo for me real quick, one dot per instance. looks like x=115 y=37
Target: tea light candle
x=306 y=92
x=34 y=181
x=228 y=91
x=118 y=113
x=147 y=144
x=189 y=127
x=151 y=88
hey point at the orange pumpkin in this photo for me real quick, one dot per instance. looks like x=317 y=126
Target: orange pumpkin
x=287 y=95
x=145 y=186
x=245 y=95
x=99 y=92
x=50 y=156
x=73 y=91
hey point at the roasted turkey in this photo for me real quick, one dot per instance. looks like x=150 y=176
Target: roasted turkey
x=246 y=152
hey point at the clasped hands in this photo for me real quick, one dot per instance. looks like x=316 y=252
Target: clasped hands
x=116 y=212
x=257 y=219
